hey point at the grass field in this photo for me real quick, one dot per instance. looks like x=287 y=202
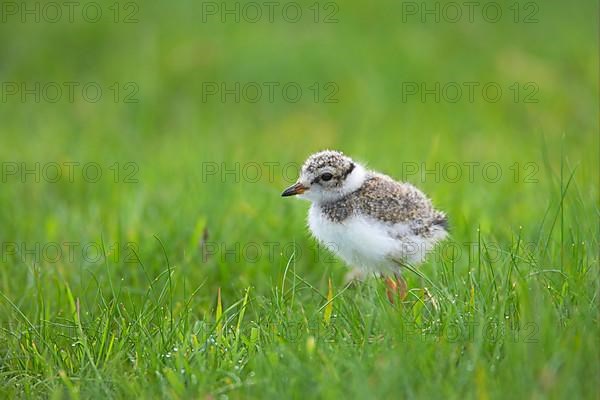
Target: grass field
x=146 y=251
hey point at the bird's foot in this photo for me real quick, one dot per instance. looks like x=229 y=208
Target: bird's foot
x=396 y=288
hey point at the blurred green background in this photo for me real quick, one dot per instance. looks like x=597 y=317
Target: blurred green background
x=370 y=54
x=175 y=133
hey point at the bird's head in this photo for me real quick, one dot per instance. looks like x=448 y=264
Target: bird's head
x=327 y=176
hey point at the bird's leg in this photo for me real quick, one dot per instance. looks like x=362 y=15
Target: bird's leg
x=402 y=286
x=396 y=287
x=392 y=286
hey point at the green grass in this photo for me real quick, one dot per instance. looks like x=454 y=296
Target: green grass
x=184 y=284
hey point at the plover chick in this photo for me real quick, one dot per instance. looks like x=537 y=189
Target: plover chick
x=373 y=223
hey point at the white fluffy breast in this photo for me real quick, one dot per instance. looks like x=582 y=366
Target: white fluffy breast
x=367 y=244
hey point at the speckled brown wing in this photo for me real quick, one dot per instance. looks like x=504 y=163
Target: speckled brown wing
x=386 y=200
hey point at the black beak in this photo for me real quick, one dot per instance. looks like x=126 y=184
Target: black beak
x=293 y=190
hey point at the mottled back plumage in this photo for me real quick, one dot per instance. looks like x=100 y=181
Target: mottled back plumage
x=371 y=221
x=388 y=201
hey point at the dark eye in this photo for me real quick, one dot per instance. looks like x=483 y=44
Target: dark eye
x=326 y=176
